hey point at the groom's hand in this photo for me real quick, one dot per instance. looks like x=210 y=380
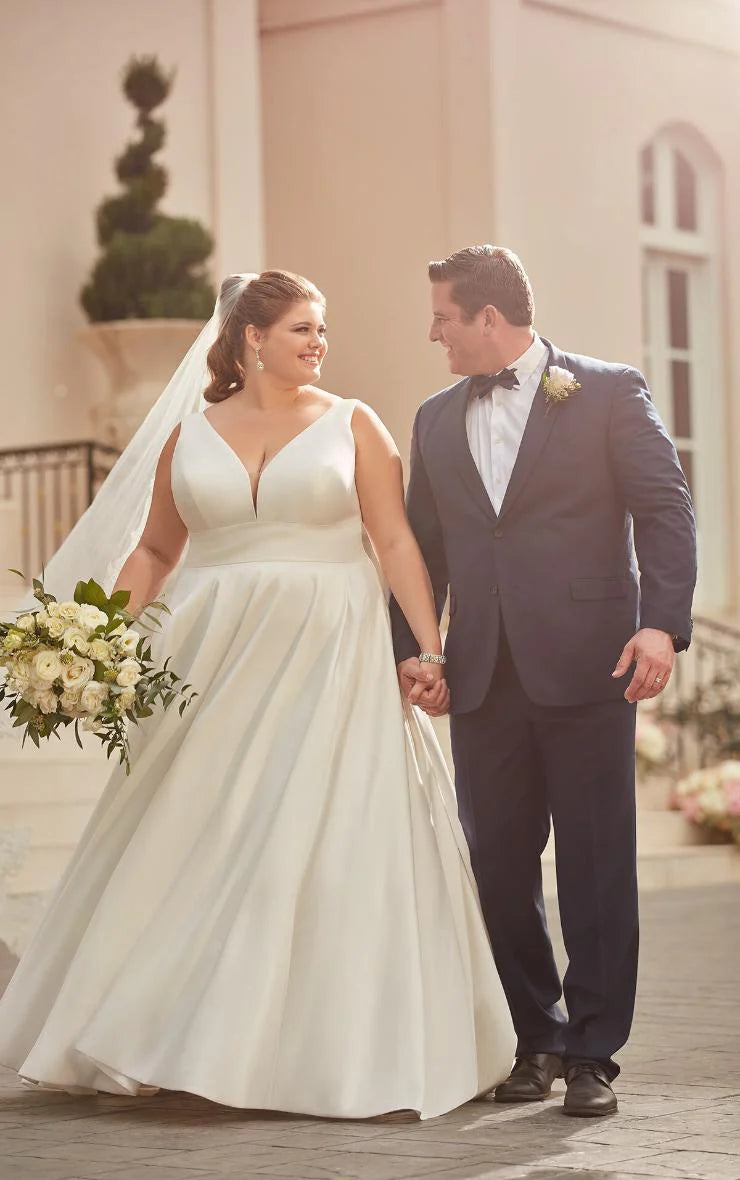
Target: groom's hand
x=652 y=652
x=423 y=687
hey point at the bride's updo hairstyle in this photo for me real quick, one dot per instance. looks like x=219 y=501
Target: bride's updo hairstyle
x=262 y=302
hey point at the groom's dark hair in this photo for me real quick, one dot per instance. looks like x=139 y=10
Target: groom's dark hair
x=482 y=275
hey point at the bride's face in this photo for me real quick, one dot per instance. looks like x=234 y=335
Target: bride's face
x=294 y=348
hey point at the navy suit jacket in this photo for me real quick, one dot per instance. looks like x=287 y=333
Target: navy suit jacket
x=556 y=567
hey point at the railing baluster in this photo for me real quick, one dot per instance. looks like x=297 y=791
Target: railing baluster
x=53 y=484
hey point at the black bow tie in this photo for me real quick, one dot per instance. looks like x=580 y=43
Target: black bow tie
x=483 y=384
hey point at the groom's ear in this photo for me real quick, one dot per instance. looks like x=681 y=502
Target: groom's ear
x=490 y=317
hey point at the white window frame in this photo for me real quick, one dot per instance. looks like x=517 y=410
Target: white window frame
x=665 y=247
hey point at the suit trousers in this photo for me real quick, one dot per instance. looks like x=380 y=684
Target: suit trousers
x=517 y=765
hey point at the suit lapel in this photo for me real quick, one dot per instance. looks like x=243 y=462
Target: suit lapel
x=462 y=454
x=536 y=433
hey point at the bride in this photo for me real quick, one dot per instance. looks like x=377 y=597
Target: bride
x=276 y=909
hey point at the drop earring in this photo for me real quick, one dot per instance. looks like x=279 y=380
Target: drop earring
x=260 y=362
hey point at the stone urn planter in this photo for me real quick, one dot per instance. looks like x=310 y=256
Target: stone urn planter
x=139 y=357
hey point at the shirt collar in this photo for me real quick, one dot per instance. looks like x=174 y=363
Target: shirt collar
x=526 y=364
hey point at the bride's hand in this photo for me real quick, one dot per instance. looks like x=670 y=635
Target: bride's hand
x=424 y=685
x=435 y=700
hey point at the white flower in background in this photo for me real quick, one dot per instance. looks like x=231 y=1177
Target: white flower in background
x=90 y=617
x=99 y=650
x=129 y=641
x=78 y=673
x=26 y=622
x=46 y=666
x=13 y=641
x=651 y=742
x=56 y=627
x=129 y=674
x=69 y=611
x=93 y=697
x=52 y=609
x=42 y=618
x=74 y=637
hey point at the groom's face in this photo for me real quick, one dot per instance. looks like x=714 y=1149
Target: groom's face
x=462 y=339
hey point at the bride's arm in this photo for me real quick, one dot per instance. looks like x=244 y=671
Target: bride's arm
x=379 y=480
x=145 y=570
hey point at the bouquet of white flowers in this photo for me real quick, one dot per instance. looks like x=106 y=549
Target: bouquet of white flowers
x=83 y=663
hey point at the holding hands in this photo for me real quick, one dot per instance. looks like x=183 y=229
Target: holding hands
x=424 y=685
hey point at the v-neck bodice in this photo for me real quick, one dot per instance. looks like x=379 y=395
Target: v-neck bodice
x=306 y=489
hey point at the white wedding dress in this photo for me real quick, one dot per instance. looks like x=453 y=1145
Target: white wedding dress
x=275 y=910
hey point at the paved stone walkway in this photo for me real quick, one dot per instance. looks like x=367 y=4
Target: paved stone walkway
x=679 y=1100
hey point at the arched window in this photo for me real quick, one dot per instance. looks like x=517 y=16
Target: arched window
x=682 y=339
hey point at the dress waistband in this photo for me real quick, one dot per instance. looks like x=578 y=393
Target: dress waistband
x=237 y=543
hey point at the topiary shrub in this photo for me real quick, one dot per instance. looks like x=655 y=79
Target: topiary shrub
x=152 y=265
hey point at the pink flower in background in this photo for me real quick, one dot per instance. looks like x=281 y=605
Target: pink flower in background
x=732 y=791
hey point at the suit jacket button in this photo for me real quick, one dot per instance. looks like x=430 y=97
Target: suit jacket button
x=498 y=532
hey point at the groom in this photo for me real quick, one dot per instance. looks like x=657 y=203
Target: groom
x=529 y=479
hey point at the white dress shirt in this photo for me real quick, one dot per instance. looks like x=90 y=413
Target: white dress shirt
x=495 y=423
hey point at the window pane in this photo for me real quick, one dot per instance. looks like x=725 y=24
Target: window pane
x=686 y=459
x=646 y=337
x=647 y=184
x=680 y=381
x=685 y=192
x=678 y=308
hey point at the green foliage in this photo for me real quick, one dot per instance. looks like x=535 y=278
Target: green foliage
x=152 y=265
x=42 y=710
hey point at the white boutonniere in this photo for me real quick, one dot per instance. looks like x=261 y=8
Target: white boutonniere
x=558 y=385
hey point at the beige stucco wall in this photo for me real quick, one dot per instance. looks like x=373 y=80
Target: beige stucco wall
x=397 y=132
x=63 y=119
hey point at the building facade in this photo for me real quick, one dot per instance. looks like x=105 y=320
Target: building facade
x=353 y=140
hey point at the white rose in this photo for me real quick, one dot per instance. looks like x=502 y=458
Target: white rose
x=129 y=642
x=78 y=673
x=13 y=641
x=559 y=379
x=46 y=666
x=26 y=622
x=47 y=700
x=69 y=611
x=42 y=618
x=126 y=698
x=93 y=697
x=92 y=725
x=75 y=637
x=56 y=627
x=99 y=650
x=70 y=702
x=129 y=674
x=52 y=609
x=21 y=684
x=90 y=617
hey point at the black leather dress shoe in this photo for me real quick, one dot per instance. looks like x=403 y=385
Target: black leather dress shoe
x=589 y=1094
x=531 y=1078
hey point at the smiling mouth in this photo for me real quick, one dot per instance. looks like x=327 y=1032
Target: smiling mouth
x=313 y=359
